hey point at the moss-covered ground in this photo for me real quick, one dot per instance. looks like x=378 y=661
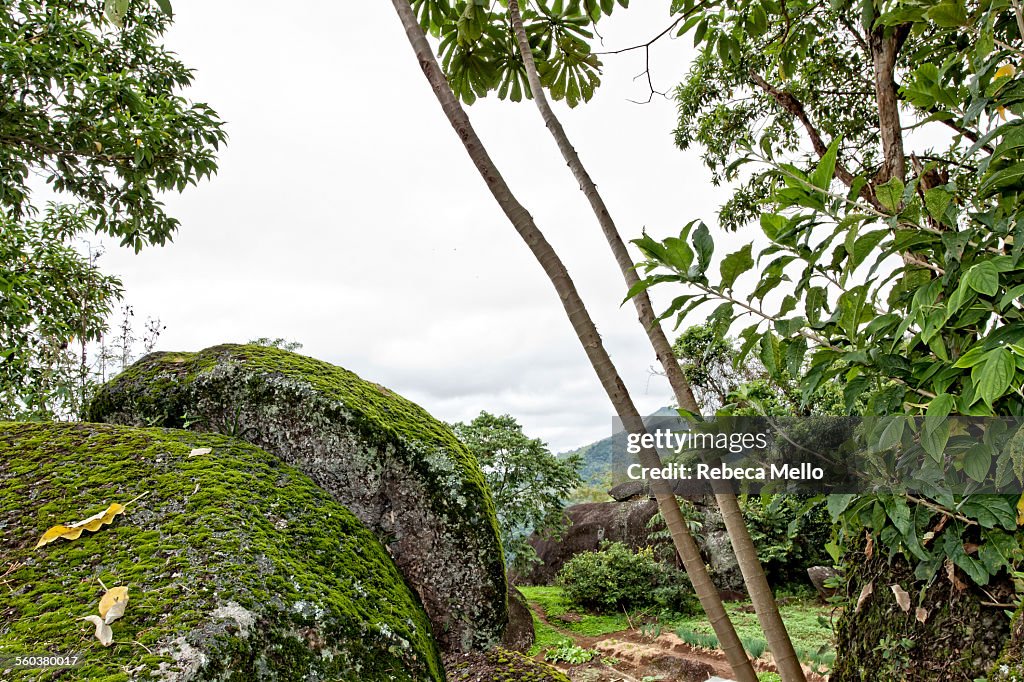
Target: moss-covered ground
x=229 y=531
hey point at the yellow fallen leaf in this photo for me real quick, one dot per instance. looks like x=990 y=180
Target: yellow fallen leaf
x=113 y=604
x=1006 y=71
x=1020 y=511
x=72 y=531
x=103 y=631
x=200 y=451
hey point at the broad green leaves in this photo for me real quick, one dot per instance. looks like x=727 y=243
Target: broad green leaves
x=904 y=288
x=734 y=265
x=480 y=55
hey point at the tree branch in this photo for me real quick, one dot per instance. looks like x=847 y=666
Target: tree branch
x=886 y=43
x=795 y=108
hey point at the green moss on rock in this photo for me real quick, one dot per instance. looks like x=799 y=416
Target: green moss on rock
x=402 y=472
x=238 y=566
x=1010 y=666
x=959 y=639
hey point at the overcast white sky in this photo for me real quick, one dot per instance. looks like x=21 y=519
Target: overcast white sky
x=347 y=216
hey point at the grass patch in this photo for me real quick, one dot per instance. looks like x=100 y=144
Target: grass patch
x=811 y=639
x=551 y=601
x=546 y=637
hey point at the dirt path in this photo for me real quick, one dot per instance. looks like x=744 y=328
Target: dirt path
x=630 y=656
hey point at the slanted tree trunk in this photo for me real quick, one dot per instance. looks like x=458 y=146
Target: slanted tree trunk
x=743 y=546
x=587 y=333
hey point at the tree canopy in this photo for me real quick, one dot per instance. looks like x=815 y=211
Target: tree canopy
x=883 y=168
x=528 y=483
x=91 y=102
x=90 y=105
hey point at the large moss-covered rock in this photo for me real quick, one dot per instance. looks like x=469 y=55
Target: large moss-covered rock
x=959 y=639
x=402 y=472
x=238 y=567
x=1010 y=666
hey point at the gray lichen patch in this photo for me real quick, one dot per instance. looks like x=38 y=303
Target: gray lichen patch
x=402 y=472
x=219 y=588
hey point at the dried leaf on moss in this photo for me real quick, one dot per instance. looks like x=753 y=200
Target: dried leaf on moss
x=73 y=531
x=902 y=597
x=864 y=594
x=113 y=603
x=103 y=631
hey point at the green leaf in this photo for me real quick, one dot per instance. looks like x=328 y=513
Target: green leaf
x=1008 y=179
x=837 y=504
x=983 y=277
x=773 y=224
x=994 y=375
x=823 y=174
x=990 y=511
x=978 y=462
x=165 y=6
x=734 y=265
x=936 y=201
x=999 y=551
x=948 y=15
x=891 y=434
x=974 y=356
x=899 y=513
x=890 y=195
x=1014 y=450
x=864 y=245
x=115 y=11
x=934 y=440
x=678 y=254
x=938 y=409
x=705 y=247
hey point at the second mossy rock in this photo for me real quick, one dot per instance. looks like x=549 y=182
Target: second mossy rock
x=400 y=471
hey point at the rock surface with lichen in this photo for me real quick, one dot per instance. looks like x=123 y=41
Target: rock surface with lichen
x=956 y=636
x=402 y=472
x=237 y=565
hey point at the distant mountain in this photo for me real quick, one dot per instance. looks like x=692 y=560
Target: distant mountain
x=597 y=456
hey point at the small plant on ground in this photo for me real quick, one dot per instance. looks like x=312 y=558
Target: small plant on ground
x=569 y=652
x=754 y=646
x=700 y=640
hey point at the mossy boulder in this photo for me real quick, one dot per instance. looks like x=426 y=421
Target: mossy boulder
x=959 y=639
x=1010 y=666
x=238 y=567
x=402 y=472
x=520 y=634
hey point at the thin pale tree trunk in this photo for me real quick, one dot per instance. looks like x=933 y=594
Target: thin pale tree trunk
x=746 y=554
x=589 y=338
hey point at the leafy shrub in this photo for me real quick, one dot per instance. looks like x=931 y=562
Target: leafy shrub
x=615 y=578
x=790 y=535
x=768 y=677
x=568 y=652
